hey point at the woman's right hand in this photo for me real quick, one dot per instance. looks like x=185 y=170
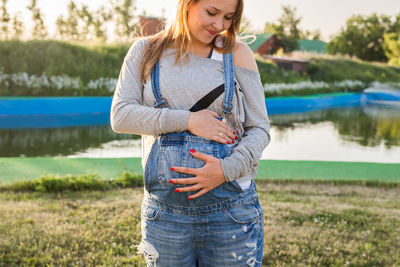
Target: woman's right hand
x=204 y=123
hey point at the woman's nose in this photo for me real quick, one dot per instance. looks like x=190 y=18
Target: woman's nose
x=219 y=24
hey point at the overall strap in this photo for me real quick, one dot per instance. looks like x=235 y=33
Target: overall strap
x=160 y=101
x=229 y=79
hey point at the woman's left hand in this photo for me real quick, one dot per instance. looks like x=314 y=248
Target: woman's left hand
x=206 y=178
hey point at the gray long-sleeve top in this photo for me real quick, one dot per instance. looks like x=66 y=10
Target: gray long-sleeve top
x=132 y=110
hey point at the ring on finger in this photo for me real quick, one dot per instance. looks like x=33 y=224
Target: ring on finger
x=220 y=134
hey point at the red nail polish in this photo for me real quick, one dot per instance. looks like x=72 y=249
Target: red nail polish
x=171 y=181
x=189 y=197
x=176 y=190
x=235 y=137
x=233 y=142
x=192 y=150
x=172 y=169
x=227 y=142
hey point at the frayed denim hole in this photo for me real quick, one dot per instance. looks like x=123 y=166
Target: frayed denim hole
x=149 y=251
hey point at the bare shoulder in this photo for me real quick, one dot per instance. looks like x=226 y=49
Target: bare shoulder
x=243 y=57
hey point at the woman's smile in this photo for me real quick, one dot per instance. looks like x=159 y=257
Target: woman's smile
x=212 y=32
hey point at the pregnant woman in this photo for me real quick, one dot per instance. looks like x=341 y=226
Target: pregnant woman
x=194 y=93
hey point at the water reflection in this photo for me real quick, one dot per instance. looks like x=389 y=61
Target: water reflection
x=368 y=126
x=370 y=133
x=55 y=141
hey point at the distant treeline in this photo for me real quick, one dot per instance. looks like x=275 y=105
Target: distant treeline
x=368 y=37
x=80 y=24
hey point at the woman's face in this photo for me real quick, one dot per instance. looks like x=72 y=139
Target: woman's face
x=207 y=18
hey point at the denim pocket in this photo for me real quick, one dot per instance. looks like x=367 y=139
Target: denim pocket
x=244 y=212
x=150 y=210
x=170 y=155
x=199 y=145
x=175 y=152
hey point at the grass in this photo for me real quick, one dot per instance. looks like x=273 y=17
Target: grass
x=54 y=184
x=330 y=225
x=338 y=69
x=58 y=58
x=306 y=224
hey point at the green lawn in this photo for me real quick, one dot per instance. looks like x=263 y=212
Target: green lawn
x=15 y=169
x=308 y=224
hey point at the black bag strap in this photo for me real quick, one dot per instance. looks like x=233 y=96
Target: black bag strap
x=206 y=100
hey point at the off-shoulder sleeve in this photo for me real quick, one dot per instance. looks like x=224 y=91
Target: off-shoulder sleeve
x=128 y=114
x=246 y=155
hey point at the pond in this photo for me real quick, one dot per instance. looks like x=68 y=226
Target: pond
x=370 y=134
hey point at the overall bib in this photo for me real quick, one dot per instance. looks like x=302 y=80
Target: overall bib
x=222 y=227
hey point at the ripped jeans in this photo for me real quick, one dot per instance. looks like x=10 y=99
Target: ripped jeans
x=224 y=227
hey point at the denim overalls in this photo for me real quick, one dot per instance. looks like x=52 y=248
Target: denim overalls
x=222 y=227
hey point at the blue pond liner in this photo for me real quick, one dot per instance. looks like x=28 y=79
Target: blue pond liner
x=49 y=112
x=382 y=96
x=53 y=112
x=15 y=106
x=53 y=121
x=284 y=105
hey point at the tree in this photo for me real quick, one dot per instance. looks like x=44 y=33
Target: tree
x=125 y=25
x=395 y=27
x=392 y=48
x=86 y=19
x=287 y=28
x=4 y=21
x=101 y=17
x=363 y=37
x=311 y=35
x=62 y=29
x=82 y=24
x=17 y=26
x=39 y=30
x=68 y=28
x=76 y=26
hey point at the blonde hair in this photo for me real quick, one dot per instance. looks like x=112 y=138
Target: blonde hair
x=178 y=36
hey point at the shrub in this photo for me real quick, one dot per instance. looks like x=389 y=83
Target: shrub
x=74 y=183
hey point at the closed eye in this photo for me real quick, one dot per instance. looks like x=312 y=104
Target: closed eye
x=211 y=14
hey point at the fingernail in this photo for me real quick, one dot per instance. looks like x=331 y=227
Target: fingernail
x=176 y=190
x=189 y=197
x=171 y=181
x=234 y=133
x=227 y=142
x=172 y=169
x=233 y=142
x=235 y=137
x=192 y=150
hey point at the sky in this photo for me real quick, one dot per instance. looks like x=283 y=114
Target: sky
x=328 y=16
